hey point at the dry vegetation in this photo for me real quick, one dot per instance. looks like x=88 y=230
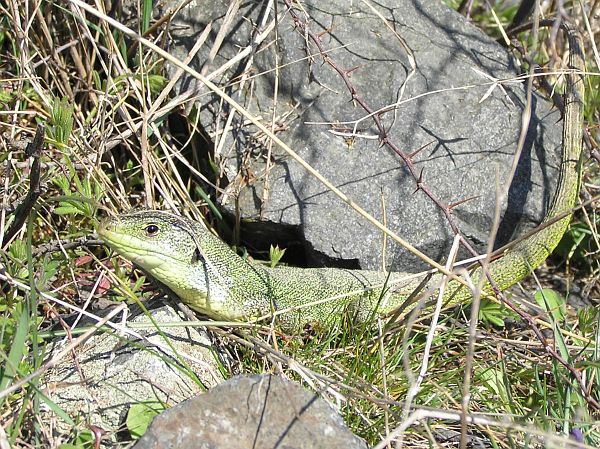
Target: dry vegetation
x=101 y=98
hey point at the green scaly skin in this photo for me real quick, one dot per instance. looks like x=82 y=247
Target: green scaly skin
x=212 y=279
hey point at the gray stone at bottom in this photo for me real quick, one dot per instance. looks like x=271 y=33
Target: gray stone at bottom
x=257 y=412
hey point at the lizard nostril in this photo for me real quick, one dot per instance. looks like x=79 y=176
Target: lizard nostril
x=107 y=224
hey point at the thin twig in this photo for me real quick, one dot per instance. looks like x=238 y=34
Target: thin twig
x=34 y=151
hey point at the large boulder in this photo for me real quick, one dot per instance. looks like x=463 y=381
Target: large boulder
x=450 y=102
x=109 y=373
x=258 y=412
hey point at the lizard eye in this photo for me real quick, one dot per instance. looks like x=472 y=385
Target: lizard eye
x=152 y=230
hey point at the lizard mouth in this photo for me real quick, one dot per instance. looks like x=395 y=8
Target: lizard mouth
x=143 y=252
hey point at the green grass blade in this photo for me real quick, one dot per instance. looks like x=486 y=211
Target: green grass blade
x=146 y=15
x=15 y=354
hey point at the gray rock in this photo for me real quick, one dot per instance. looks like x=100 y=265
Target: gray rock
x=474 y=136
x=258 y=412
x=451 y=438
x=112 y=373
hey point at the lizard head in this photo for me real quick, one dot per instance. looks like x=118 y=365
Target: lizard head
x=165 y=245
x=150 y=238
x=186 y=257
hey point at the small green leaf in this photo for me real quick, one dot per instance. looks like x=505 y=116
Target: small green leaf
x=494 y=313
x=275 y=255
x=6 y=97
x=586 y=319
x=551 y=301
x=156 y=83
x=62 y=120
x=63 y=183
x=67 y=210
x=49 y=271
x=18 y=250
x=140 y=416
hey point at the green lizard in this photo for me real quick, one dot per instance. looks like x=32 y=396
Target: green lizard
x=211 y=278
